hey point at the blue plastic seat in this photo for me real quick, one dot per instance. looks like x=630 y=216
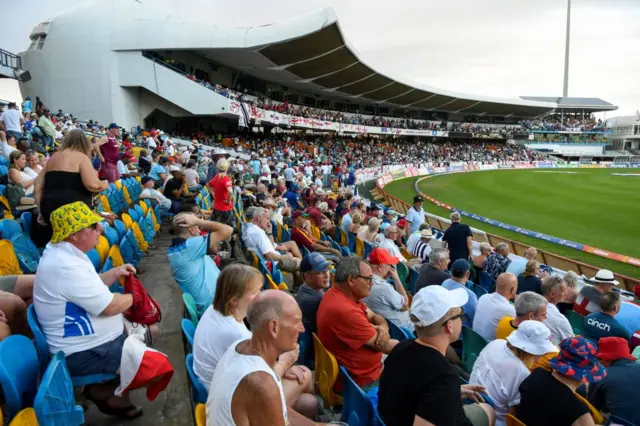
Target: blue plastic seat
x=190 y=309
x=478 y=290
x=111 y=235
x=55 y=402
x=357 y=409
x=399 y=333
x=137 y=251
x=8 y=228
x=94 y=257
x=26 y=251
x=368 y=248
x=352 y=242
x=120 y=228
x=307 y=355
x=189 y=332
x=198 y=393
x=286 y=235
x=486 y=281
x=25 y=220
x=345 y=251
x=134 y=215
x=18 y=373
x=127 y=251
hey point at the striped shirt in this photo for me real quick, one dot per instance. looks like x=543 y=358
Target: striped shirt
x=422 y=250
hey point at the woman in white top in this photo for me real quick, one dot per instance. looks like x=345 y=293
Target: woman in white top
x=32 y=168
x=223 y=323
x=504 y=364
x=17 y=176
x=369 y=233
x=191 y=176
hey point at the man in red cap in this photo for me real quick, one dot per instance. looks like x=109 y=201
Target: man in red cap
x=614 y=393
x=390 y=302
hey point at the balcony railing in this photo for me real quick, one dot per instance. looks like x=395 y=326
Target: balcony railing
x=10 y=60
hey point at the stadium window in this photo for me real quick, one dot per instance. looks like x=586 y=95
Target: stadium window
x=382 y=111
x=41 y=42
x=32 y=45
x=353 y=107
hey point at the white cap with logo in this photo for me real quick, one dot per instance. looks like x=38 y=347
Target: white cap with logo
x=432 y=302
x=532 y=337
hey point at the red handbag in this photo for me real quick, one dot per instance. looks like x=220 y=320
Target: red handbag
x=144 y=310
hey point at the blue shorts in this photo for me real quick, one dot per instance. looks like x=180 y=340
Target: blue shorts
x=103 y=359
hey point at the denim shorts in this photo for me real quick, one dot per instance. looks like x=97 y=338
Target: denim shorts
x=103 y=359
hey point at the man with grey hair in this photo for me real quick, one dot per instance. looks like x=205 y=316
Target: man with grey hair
x=458 y=238
x=498 y=261
x=245 y=389
x=434 y=273
x=355 y=335
x=256 y=237
x=529 y=306
x=192 y=267
x=554 y=290
x=388 y=242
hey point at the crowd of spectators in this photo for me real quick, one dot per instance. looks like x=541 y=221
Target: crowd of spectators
x=566 y=122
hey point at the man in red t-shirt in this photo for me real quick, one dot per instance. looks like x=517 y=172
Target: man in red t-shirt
x=110 y=152
x=355 y=335
x=301 y=234
x=222 y=190
x=318 y=218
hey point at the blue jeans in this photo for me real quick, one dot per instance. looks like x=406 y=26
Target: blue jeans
x=47 y=141
x=18 y=135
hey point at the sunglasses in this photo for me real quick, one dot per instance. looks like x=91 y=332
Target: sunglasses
x=367 y=279
x=453 y=318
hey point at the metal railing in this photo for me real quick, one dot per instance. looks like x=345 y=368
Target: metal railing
x=10 y=60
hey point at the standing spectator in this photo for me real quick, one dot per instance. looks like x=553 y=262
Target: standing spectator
x=39 y=105
x=192 y=267
x=459 y=278
x=612 y=394
x=549 y=397
x=458 y=239
x=588 y=300
x=554 y=289
x=110 y=153
x=245 y=384
x=11 y=121
x=222 y=190
x=503 y=364
x=256 y=167
x=422 y=249
x=293 y=197
x=494 y=306
x=27 y=106
x=47 y=128
x=415 y=216
x=315 y=271
x=419 y=386
x=392 y=303
x=528 y=280
x=604 y=324
x=355 y=335
x=434 y=273
x=498 y=261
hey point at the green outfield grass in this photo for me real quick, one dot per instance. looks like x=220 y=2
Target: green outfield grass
x=588 y=206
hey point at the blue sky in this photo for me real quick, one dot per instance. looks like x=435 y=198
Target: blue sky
x=491 y=47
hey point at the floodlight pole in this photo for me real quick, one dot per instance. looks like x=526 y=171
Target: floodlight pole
x=565 y=89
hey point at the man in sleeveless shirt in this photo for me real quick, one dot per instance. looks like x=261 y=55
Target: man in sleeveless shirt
x=245 y=391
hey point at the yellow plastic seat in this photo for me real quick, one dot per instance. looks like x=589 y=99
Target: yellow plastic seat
x=103 y=248
x=512 y=420
x=255 y=260
x=144 y=207
x=105 y=203
x=137 y=232
x=7 y=208
x=274 y=286
x=156 y=225
x=116 y=256
x=359 y=247
x=326 y=374
x=26 y=417
x=201 y=415
x=344 y=238
x=9 y=264
x=138 y=178
x=118 y=184
x=128 y=222
x=598 y=418
x=127 y=197
x=315 y=232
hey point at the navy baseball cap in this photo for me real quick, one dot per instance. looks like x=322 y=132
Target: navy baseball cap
x=314 y=262
x=145 y=179
x=459 y=267
x=113 y=126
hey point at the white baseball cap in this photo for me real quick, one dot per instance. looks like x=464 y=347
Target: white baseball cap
x=532 y=337
x=431 y=303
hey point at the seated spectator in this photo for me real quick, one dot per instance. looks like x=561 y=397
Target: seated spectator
x=17 y=176
x=418 y=385
x=528 y=306
x=612 y=394
x=494 y=306
x=246 y=384
x=392 y=303
x=315 y=272
x=498 y=261
x=32 y=168
x=159 y=172
x=459 y=279
x=78 y=314
x=434 y=273
x=549 y=397
x=458 y=239
x=301 y=234
x=256 y=239
x=391 y=217
x=222 y=322
x=422 y=249
x=123 y=167
x=588 y=300
x=414 y=237
x=347 y=219
x=7 y=144
x=369 y=233
x=166 y=205
x=571 y=278
x=519 y=264
x=175 y=188
x=479 y=260
x=356 y=222
x=16 y=293
x=504 y=364
x=193 y=269
x=348 y=329
x=528 y=280
x=387 y=241
x=554 y=289
x=143 y=162
x=293 y=197
x=604 y=324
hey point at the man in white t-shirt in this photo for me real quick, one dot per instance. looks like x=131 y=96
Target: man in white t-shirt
x=554 y=290
x=11 y=121
x=492 y=307
x=7 y=144
x=78 y=314
x=415 y=216
x=166 y=205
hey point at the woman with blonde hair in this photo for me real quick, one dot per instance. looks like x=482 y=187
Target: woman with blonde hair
x=68 y=176
x=369 y=233
x=222 y=190
x=529 y=280
x=357 y=219
x=223 y=323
